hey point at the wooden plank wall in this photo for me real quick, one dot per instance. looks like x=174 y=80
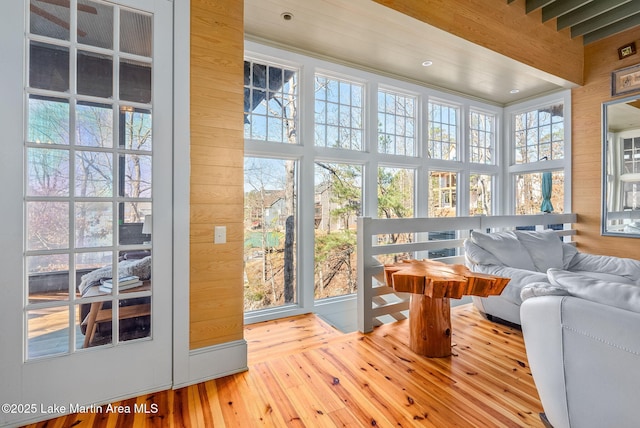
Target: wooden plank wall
x=217 y=147
x=503 y=28
x=601 y=58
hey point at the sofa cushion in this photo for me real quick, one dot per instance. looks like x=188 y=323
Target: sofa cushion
x=506 y=247
x=629 y=268
x=604 y=276
x=617 y=294
x=475 y=255
x=544 y=247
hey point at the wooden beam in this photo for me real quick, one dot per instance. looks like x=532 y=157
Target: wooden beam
x=532 y=5
x=612 y=29
x=587 y=12
x=559 y=8
x=606 y=19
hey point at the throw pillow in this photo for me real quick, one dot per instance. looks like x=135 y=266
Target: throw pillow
x=619 y=295
x=544 y=247
x=505 y=247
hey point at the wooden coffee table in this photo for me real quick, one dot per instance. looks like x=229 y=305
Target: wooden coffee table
x=432 y=284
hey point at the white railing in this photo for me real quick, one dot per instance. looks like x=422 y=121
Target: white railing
x=378 y=303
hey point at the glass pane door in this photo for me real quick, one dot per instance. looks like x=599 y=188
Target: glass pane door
x=89 y=160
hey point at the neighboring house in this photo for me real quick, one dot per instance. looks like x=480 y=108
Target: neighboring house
x=266 y=209
x=325 y=206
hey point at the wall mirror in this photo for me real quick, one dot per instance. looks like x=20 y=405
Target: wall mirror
x=621 y=167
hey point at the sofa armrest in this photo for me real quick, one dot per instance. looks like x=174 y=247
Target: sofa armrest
x=541 y=321
x=584 y=357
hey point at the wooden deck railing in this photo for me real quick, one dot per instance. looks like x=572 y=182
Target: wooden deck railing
x=378 y=303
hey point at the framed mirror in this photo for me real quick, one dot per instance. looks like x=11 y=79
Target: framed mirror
x=621 y=167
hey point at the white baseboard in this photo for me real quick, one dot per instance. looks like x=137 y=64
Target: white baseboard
x=216 y=361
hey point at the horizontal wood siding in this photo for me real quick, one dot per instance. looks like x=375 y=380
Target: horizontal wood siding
x=503 y=28
x=601 y=58
x=217 y=147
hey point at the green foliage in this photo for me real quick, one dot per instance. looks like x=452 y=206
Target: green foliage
x=333 y=244
x=395 y=193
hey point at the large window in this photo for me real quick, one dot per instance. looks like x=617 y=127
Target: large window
x=529 y=191
x=443 y=194
x=269 y=237
x=396 y=199
x=480 y=194
x=337 y=205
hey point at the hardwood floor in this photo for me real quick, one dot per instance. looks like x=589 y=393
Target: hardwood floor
x=304 y=373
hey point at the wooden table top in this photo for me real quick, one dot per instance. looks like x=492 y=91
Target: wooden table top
x=438 y=280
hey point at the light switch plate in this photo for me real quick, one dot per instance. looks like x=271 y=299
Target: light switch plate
x=220 y=235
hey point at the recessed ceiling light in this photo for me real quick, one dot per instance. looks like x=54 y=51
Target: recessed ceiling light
x=287 y=16
x=514 y=91
x=427 y=63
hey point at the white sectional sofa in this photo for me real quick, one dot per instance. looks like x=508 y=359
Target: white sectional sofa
x=525 y=257
x=580 y=317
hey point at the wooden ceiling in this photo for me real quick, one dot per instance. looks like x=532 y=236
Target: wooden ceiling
x=591 y=19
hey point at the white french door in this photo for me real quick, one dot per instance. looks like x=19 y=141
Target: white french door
x=85 y=167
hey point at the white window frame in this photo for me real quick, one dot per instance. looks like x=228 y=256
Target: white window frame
x=511 y=169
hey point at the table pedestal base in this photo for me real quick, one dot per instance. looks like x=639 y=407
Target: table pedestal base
x=430 y=326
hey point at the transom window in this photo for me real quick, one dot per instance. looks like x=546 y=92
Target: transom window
x=270 y=103
x=396 y=123
x=443 y=131
x=539 y=134
x=482 y=134
x=338 y=113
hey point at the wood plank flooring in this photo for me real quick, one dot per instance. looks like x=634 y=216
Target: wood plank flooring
x=304 y=373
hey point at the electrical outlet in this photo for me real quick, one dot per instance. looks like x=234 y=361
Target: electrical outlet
x=220 y=235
